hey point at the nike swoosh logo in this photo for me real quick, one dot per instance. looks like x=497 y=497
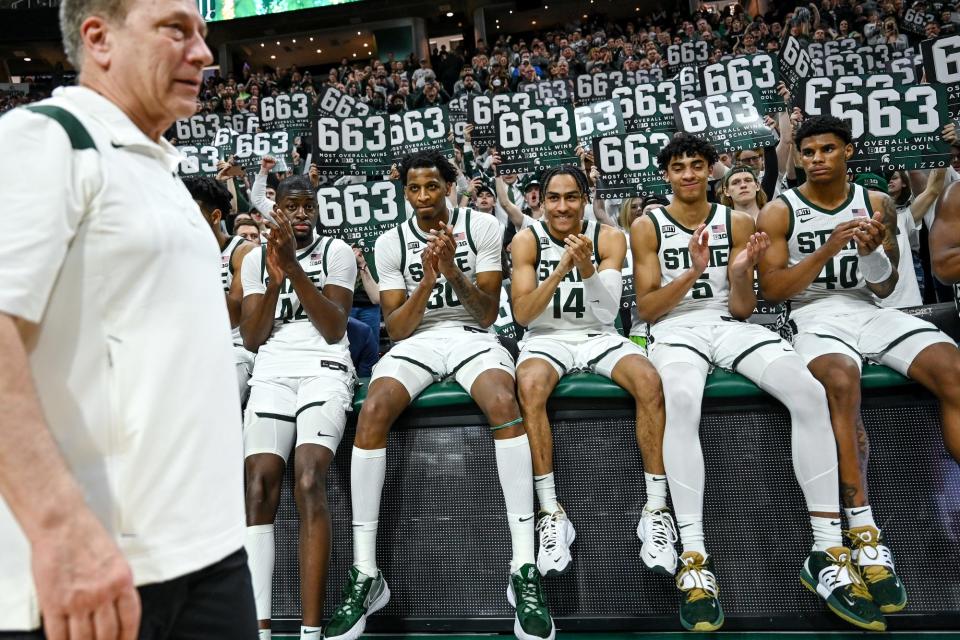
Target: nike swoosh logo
x=835 y=523
x=539 y=479
x=659 y=479
x=684 y=526
x=311 y=630
x=527 y=519
x=594 y=302
x=856 y=513
x=325 y=435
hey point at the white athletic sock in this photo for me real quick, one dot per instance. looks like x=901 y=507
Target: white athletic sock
x=546 y=492
x=260 y=558
x=515 y=468
x=860 y=517
x=826 y=533
x=264 y=634
x=656 y=491
x=368 y=470
x=310 y=633
x=691 y=533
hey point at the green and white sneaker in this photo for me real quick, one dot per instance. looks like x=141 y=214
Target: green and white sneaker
x=875 y=562
x=362 y=595
x=832 y=575
x=532 y=621
x=699 y=607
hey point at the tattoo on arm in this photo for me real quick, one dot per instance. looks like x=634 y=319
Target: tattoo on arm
x=473 y=299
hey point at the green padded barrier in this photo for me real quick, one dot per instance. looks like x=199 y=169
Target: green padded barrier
x=589 y=386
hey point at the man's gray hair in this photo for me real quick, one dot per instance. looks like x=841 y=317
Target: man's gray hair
x=72 y=15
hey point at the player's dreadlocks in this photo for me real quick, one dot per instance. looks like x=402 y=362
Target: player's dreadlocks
x=210 y=193
x=565 y=170
x=428 y=159
x=685 y=145
x=294 y=183
x=818 y=125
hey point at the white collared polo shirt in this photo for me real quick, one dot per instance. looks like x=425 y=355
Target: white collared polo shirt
x=110 y=256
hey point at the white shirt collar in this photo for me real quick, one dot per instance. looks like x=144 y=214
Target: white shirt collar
x=123 y=132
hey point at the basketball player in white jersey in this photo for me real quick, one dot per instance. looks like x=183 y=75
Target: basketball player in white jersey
x=694 y=273
x=827 y=256
x=440 y=276
x=297 y=294
x=214 y=202
x=567 y=283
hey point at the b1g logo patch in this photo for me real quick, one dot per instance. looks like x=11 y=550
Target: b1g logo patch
x=718 y=231
x=804 y=214
x=413 y=246
x=544 y=241
x=316 y=258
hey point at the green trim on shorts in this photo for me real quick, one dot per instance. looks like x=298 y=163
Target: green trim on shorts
x=743 y=355
x=686 y=346
x=436 y=376
x=275 y=416
x=550 y=357
x=909 y=334
x=461 y=365
x=593 y=361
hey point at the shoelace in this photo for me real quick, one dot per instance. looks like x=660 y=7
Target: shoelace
x=549 y=531
x=353 y=597
x=841 y=573
x=663 y=532
x=874 y=559
x=697 y=581
x=530 y=596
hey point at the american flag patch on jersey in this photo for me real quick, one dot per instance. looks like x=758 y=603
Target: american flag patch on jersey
x=860 y=213
x=717 y=229
x=316 y=258
x=457 y=237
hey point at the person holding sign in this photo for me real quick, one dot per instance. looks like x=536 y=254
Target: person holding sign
x=693 y=273
x=297 y=294
x=440 y=277
x=566 y=290
x=828 y=256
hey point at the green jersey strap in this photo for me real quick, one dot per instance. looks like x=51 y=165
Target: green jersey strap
x=80 y=138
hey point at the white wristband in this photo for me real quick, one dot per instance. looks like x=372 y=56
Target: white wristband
x=876 y=267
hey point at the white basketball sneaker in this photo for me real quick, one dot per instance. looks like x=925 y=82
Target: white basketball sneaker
x=556 y=536
x=658 y=534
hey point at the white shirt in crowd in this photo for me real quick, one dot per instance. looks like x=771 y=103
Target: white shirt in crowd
x=133 y=365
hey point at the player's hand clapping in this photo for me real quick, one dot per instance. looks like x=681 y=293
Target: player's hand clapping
x=445 y=249
x=580 y=249
x=746 y=260
x=841 y=236
x=282 y=242
x=699 y=248
x=869 y=234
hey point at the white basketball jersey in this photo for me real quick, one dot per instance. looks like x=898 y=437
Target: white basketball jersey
x=569 y=310
x=226 y=275
x=708 y=297
x=295 y=347
x=400 y=265
x=809 y=228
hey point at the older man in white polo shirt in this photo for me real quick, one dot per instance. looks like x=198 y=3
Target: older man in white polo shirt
x=120 y=457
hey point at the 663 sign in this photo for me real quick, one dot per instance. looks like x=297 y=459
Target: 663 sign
x=359 y=213
x=196 y=130
x=531 y=139
x=895 y=128
x=795 y=64
x=420 y=129
x=483 y=110
x=334 y=102
x=648 y=107
x=198 y=160
x=941 y=61
x=288 y=112
x=745 y=73
x=248 y=148
x=353 y=146
x=729 y=120
x=598 y=119
x=627 y=165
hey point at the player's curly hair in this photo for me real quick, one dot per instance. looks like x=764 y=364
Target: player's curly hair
x=428 y=159
x=294 y=183
x=818 y=125
x=210 y=193
x=685 y=145
x=550 y=173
